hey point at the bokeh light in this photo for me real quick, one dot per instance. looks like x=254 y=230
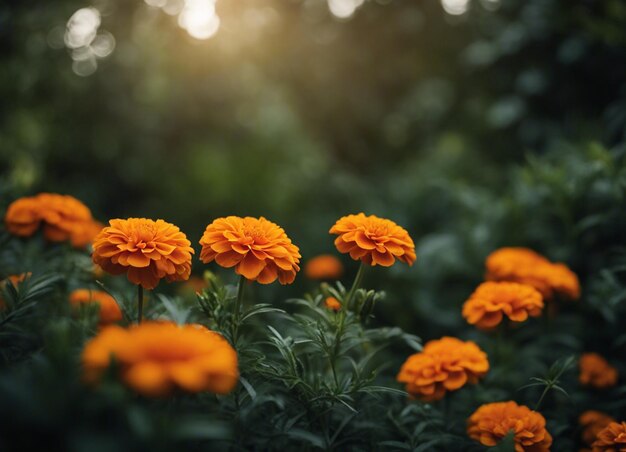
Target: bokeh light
x=86 y=43
x=455 y=7
x=198 y=17
x=343 y=9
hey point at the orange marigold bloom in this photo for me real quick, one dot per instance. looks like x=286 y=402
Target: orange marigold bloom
x=323 y=267
x=155 y=358
x=373 y=240
x=109 y=309
x=332 y=303
x=443 y=365
x=490 y=423
x=592 y=422
x=595 y=371
x=63 y=218
x=525 y=266
x=86 y=233
x=492 y=300
x=611 y=439
x=15 y=280
x=146 y=250
x=258 y=249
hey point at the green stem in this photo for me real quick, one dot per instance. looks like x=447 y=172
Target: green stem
x=355 y=286
x=342 y=318
x=238 y=305
x=139 y=303
x=543 y=395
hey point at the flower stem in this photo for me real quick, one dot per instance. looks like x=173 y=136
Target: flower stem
x=139 y=303
x=355 y=285
x=238 y=304
x=543 y=395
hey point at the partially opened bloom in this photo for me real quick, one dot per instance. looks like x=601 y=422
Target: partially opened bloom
x=592 y=422
x=612 y=438
x=443 y=365
x=332 y=303
x=157 y=358
x=373 y=240
x=109 y=310
x=491 y=301
x=62 y=218
x=525 y=266
x=258 y=249
x=490 y=423
x=14 y=280
x=146 y=250
x=324 y=267
x=595 y=371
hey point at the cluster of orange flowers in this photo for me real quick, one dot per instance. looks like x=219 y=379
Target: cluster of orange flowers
x=157 y=358
x=443 y=365
x=490 y=423
x=593 y=422
x=491 y=301
x=595 y=371
x=612 y=438
x=518 y=282
x=109 y=310
x=525 y=266
x=62 y=218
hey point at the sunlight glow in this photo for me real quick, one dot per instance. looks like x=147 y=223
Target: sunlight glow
x=343 y=9
x=198 y=17
x=86 y=43
x=455 y=7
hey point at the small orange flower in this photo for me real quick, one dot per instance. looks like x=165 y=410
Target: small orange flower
x=443 y=365
x=258 y=249
x=373 y=240
x=332 y=303
x=492 y=300
x=146 y=250
x=592 y=422
x=490 y=423
x=323 y=267
x=611 y=439
x=86 y=233
x=63 y=218
x=525 y=266
x=155 y=358
x=15 y=280
x=595 y=371
x=109 y=309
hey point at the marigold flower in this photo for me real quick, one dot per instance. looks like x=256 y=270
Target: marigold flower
x=156 y=358
x=595 y=371
x=492 y=300
x=258 y=249
x=592 y=422
x=612 y=438
x=490 y=423
x=332 y=303
x=63 y=218
x=323 y=267
x=86 y=233
x=109 y=309
x=373 y=240
x=443 y=365
x=15 y=280
x=525 y=266
x=146 y=250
